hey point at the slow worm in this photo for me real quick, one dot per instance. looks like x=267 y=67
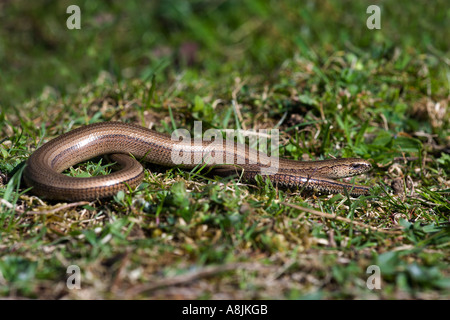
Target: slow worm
x=44 y=168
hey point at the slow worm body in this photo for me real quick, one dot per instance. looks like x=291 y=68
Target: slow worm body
x=120 y=140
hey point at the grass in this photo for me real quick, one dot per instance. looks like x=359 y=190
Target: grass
x=332 y=87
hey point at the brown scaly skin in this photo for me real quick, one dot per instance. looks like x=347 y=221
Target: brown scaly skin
x=44 y=167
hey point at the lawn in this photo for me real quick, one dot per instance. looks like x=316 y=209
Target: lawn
x=314 y=71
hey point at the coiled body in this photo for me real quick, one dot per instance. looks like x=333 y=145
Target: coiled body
x=120 y=140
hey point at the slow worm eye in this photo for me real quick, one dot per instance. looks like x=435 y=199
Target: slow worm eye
x=361 y=166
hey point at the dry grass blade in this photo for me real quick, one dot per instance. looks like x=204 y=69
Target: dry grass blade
x=333 y=217
x=205 y=272
x=63 y=207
